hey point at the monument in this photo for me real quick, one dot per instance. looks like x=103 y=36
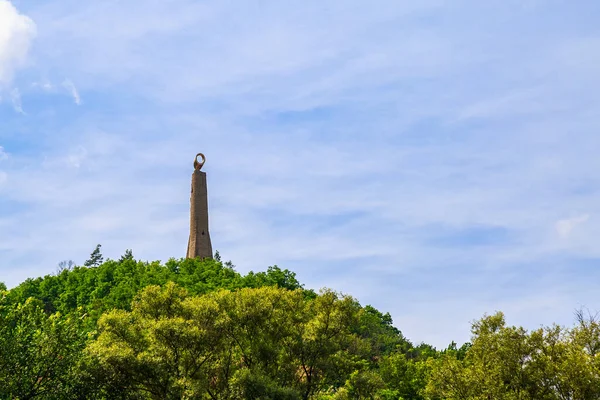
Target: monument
x=199 y=241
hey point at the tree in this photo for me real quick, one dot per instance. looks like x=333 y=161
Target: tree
x=171 y=345
x=95 y=258
x=255 y=343
x=504 y=362
x=65 y=265
x=253 y=385
x=127 y=256
x=495 y=366
x=364 y=385
x=274 y=276
x=163 y=347
x=38 y=352
x=404 y=378
x=378 y=329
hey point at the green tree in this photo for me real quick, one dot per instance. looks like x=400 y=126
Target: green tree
x=95 y=258
x=510 y=363
x=378 y=330
x=274 y=276
x=364 y=385
x=38 y=352
x=405 y=378
x=495 y=366
x=324 y=344
x=253 y=385
x=127 y=256
x=264 y=343
x=162 y=348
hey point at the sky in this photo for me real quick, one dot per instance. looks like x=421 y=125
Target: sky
x=435 y=159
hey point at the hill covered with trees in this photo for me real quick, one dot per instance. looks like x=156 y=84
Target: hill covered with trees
x=198 y=329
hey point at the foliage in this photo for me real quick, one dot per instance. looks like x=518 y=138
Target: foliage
x=95 y=258
x=263 y=343
x=510 y=363
x=113 y=284
x=198 y=329
x=38 y=352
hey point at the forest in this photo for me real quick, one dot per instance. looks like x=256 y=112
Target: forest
x=198 y=329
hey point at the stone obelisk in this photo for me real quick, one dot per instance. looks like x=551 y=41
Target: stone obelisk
x=199 y=242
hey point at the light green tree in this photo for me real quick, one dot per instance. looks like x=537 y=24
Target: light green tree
x=268 y=342
x=551 y=363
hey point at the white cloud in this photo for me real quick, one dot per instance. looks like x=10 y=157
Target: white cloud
x=76 y=157
x=66 y=85
x=565 y=227
x=277 y=41
x=72 y=91
x=15 y=98
x=16 y=34
x=44 y=85
x=3 y=154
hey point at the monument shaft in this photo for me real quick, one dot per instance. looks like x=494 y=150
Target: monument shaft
x=199 y=242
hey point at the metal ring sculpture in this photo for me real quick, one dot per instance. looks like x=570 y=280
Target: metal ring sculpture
x=199 y=164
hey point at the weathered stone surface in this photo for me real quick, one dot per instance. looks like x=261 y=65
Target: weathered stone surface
x=199 y=242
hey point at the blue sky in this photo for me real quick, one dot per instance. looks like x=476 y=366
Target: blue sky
x=436 y=159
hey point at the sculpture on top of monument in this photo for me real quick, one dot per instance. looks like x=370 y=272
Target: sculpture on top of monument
x=199 y=242
x=198 y=164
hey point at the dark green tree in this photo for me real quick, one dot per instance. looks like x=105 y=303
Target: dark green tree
x=95 y=258
x=127 y=256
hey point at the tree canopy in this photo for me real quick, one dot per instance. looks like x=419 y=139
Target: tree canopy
x=198 y=329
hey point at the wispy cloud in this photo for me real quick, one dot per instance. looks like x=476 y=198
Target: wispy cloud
x=565 y=227
x=15 y=98
x=67 y=84
x=44 y=85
